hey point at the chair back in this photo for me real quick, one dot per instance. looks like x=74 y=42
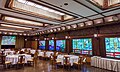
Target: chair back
x=44 y=53
x=8 y=53
x=84 y=59
x=66 y=59
x=2 y=59
x=80 y=60
x=21 y=58
x=51 y=56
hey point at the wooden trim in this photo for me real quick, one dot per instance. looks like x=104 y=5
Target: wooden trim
x=102 y=8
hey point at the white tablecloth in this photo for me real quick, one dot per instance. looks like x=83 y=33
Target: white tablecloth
x=106 y=63
x=14 y=58
x=73 y=58
x=41 y=54
x=11 y=52
x=32 y=51
x=46 y=53
x=49 y=53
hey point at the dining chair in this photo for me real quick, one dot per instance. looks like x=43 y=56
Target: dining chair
x=79 y=63
x=4 y=63
x=21 y=61
x=66 y=62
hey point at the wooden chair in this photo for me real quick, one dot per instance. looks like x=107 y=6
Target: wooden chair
x=66 y=62
x=30 y=61
x=44 y=57
x=3 y=61
x=53 y=60
x=21 y=61
x=79 y=63
x=84 y=60
x=57 y=63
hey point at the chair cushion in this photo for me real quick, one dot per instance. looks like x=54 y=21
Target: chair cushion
x=7 y=62
x=31 y=60
x=21 y=62
x=75 y=62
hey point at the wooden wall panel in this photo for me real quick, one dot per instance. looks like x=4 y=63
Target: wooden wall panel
x=110 y=29
x=19 y=42
x=28 y=44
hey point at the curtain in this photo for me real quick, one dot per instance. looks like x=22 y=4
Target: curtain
x=19 y=42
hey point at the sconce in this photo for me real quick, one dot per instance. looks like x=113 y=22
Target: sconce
x=46 y=38
x=67 y=37
x=25 y=39
x=36 y=39
x=95 y=35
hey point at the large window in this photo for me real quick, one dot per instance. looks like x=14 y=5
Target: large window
x=60 y=45
x=51 y=44
x=42 y=45
x=112 y=47
x=8 y=40
x=82 y=46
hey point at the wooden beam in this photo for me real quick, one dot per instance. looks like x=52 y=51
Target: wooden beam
x=105 y=4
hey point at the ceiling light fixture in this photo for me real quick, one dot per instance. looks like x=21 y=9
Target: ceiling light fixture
x=21 y=1
x=39 y=6
x=21 y=21
x=14 y=26
x=11 y=30
x=20 y=34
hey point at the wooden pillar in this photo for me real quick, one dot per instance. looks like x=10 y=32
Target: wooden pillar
x=62 y=18
x=46 y=44
x=96 y=48
x=102 y=47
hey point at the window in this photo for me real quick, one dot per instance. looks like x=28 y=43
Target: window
x=60 y=45
x=112 y=47
x=42 y=45
x=82 y=46
x=51 y=44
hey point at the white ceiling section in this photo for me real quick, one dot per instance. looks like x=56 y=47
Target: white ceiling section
x=72 y=6
x=112 y=12
x=2 y=3
x=82 y=12
x=9 y=12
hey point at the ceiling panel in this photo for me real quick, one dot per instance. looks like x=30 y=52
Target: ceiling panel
x=96 y=16
x=72 y=6
x=112 y=12
x=59 y=8
x=12 y=13
x=90 y=5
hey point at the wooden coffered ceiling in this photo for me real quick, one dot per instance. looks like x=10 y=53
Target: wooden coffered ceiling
x=80 y=13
